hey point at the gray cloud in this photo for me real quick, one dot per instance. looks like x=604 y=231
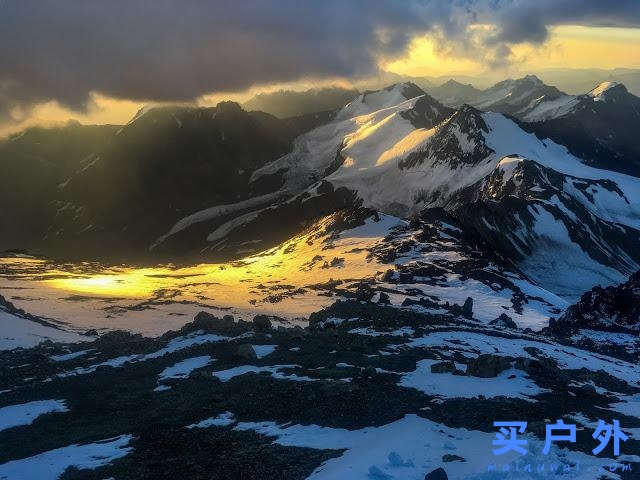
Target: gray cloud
x=521 y=21
x=167 y=50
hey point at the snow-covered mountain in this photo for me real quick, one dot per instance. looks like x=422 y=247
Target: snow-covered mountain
x=599 y=127
x=568 y=225
x=396 y=150
x=567 y=230
x=516 y=97
x=454 y=94
x=392 y=274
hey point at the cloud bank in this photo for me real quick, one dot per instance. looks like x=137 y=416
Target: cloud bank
x=178 y=50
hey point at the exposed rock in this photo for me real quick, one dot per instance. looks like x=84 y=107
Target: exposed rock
x=388 y=275
x=542 y=367
x=504 y=320
x=487 y=365
x=364 y=292
x=405 y=277
x=443 y=367
x=210 y=323
x=613 y=309
x=467 y=308
x=262 y=322
x=246 y=352
x=384 y=299
x=449 y=457
x=437 y=474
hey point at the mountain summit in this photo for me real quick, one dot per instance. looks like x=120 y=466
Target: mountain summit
x=600 y=126
x=516 y=97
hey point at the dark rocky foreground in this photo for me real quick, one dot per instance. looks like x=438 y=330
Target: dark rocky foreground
x=358 y=365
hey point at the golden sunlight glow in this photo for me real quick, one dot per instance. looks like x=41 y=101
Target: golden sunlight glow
x=571 y=46
x=423 y=59
x=568 y=46
x=102 y=110
x=242 y=284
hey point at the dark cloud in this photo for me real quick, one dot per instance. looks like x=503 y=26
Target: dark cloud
x=168 y=50
x=178 y=50
x=528 y=21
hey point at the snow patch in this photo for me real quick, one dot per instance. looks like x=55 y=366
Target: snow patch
x=50 y=465
x=26 y=413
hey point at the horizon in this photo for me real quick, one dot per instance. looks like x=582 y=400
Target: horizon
x=119 y=113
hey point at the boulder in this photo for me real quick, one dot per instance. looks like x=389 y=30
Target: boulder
x=487 y=365
x=443 y=367
x=384 y=299
x=504 y=320
x=449 y=457
x=246 y=352
x=261 y=322
x=437 y=474
x=542 y=367
x=388 y=275
x=467 y=308
x=210 y=323
x=364 y=292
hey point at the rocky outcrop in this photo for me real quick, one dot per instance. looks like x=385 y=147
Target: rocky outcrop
x=487 y=365
x=437 y=474
x=615 y=309
x=504 y=321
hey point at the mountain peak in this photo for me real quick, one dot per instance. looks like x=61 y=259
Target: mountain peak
x=408 y=89
x=228 y=107
x=605 y=89
x=532 y=78
x=452 y=83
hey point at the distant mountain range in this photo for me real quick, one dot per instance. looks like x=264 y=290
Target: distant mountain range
x=214 y=183
x=289 y=103
x=598 y=126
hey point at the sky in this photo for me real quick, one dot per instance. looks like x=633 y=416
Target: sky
x=99 y=61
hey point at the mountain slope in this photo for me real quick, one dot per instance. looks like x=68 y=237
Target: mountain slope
x=567 y=233
x=397 y=151
x=516 y=97
x=32 y=164
x=560 y=216
x=599 y=127
x=454 y=94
